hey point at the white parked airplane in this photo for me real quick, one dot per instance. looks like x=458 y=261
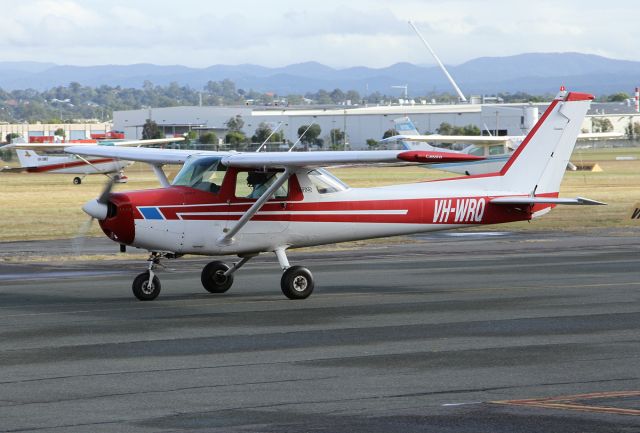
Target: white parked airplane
x=495 y=149
x=32 y=162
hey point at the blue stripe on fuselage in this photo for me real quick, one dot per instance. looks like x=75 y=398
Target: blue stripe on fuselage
x=151 y=213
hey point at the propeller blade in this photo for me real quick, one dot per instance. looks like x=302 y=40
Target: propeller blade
x=78 y=239
x=96 y=209
x=104 y=196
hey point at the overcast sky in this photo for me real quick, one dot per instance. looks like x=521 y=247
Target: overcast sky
x=282 y=32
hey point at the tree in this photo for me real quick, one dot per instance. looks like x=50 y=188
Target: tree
x=353 y=96
x=262 y=133
x=618 y=97
x=469 y=130
x=336 y=136
x=337 y=96
x=447 y=129
x=151 y=130
x=312 y=134
x=60 y=133
x=11 y=136
x=372 y=143
x=235 y=124
x=601 y=124
x=235 y=138
x=389 y=133
x=209 y=138
x=633 y=130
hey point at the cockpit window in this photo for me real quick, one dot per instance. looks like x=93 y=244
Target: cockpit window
x=203 y=173
x=325 y=182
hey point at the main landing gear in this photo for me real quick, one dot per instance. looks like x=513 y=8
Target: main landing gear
x=217 y=277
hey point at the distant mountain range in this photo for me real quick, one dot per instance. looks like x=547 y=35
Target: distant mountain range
x=536 y=73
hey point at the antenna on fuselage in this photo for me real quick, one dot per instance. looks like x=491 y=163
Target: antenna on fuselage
x=435 y=56
x=267 y=139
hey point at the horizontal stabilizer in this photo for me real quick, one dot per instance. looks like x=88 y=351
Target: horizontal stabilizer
x=545 y=200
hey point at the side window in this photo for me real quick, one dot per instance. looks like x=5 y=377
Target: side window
x=325 y=182
x=496 y=150
x=252 y=184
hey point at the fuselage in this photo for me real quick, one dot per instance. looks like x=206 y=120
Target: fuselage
x=182 y=219
x=70 y=165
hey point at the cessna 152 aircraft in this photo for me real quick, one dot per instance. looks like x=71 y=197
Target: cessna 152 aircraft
x=32 y=162
x=208 y=209
x=495 y=149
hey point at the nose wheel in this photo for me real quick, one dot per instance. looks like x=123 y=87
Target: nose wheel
x=146 y=287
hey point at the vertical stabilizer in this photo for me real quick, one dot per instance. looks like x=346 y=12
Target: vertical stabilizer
x=27 y=158
x=405 y=126
x=539 y=163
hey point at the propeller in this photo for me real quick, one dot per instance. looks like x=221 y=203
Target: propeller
x=96 y=208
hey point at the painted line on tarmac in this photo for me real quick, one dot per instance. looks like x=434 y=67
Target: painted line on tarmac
x=28 y=276
x=571 y=402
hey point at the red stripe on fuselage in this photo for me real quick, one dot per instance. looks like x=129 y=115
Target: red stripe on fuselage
x=445 y=210
x=63 y=165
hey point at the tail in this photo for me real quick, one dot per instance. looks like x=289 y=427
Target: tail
x=539 y=163
x=28 y=158
x=405 y=126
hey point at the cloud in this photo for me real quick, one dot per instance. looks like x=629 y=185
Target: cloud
x=279 y=32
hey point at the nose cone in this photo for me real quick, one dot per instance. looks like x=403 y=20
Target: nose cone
x=95 y=209
x=117 y=223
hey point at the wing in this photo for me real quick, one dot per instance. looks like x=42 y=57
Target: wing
x=110 y=143
x=437 y=138
x=600 y=135
x=141 y=154
x=274 y=159
x=136 y=143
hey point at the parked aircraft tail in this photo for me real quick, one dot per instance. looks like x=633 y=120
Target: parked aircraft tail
x=405 y=126
x=28 y=158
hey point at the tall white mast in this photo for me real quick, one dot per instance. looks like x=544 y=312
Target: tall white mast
x=433 y=53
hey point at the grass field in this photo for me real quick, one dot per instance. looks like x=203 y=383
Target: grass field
x=45 y=206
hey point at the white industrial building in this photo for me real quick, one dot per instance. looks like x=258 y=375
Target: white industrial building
x=359 y=123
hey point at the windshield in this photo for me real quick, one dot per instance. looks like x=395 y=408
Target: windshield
x=204 y=173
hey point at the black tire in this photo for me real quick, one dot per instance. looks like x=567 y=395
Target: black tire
x=77 y=181
x=213 y=279
x=297 y=282
x=141 y=289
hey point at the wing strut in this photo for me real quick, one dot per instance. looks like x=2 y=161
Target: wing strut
x=227 y=239
x=160 y=174
x=98 y=171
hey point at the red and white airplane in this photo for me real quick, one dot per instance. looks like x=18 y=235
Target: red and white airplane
x=208 y=209
x=32 y=162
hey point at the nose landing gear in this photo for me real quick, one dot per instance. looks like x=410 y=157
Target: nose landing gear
x=146 y=286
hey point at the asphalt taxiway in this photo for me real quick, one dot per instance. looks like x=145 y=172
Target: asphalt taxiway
x=495 y=332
